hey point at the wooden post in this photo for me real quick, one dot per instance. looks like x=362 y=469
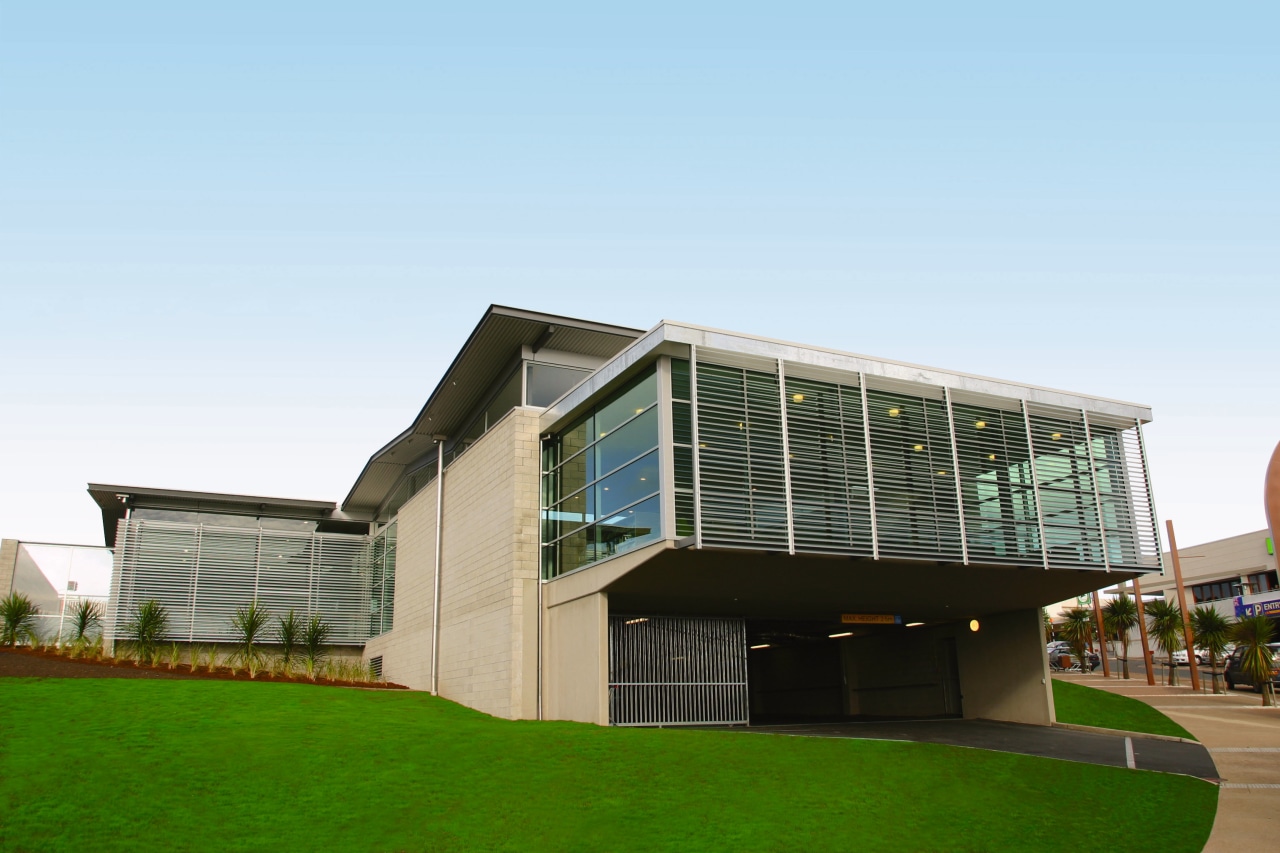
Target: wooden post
x=1102 y=635
x=1182 y=602
x=1147 y=663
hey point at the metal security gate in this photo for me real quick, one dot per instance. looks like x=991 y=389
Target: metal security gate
x=677 y=670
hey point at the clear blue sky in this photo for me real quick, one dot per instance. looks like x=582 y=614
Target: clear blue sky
x=239 y=243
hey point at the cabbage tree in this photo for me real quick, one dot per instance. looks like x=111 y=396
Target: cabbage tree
x=1166 y=629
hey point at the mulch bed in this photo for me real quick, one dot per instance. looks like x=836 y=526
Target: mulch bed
x=25 y=663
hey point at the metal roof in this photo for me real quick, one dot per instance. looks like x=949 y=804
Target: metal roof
x=494 y=345
x=107 y=497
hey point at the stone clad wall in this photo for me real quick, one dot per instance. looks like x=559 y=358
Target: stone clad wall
x=489 y=577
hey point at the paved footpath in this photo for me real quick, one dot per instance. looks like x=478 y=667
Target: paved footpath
x=1244 y=740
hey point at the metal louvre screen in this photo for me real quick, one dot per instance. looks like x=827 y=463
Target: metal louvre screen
x=890 y=468
x=742 y=477
x=828 y=458
x=676 y=670
x=202 y=574
x=1000 y=510
x=1064 y=477
x=917 y=514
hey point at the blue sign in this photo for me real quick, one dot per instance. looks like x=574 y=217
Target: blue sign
x=1260 y=608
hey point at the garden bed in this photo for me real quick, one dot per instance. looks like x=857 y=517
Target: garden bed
x=23 y=661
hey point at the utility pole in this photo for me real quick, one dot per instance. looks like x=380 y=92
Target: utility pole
x=1147 y=663
x=1182 y=602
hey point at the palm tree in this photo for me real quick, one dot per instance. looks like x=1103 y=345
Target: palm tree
x=250 y=624
x=19 y=616
x=1211 y=631
x=1121 y=615
x=1166 y=628
x=1078 y=630
x=1253 y=633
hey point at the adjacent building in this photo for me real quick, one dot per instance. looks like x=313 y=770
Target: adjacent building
x=683 y=525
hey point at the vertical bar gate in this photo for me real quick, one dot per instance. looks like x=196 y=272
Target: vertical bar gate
x=677 y=670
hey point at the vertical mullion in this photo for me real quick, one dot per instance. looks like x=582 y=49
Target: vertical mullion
x=871 y=479
x=1097 y=496
x=697 y=457
x=955 y=468
x=1035 y=483
x=786 y=458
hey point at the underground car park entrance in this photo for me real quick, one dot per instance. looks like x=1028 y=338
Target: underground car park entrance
x=720 y=637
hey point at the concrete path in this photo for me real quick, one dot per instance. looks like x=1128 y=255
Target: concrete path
x=1244 y=740
x=1137 y=752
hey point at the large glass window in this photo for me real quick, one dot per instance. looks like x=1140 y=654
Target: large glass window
x=549 y=382
x=600 y=481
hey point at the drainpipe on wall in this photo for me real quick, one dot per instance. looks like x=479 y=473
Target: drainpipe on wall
x=435 y=608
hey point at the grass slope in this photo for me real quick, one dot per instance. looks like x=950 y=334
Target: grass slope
x=98 y=764
x=1088 y=706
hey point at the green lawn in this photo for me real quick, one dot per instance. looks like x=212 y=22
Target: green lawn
x=1087 y=706
x=102 y=764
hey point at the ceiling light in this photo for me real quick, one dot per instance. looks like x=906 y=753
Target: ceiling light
x=942 y=473
x=639 y=410
x=637 y=621
x=992 y=457
x=973 y=625
x=1056 y=436
x=739 y=426
x=893 y=413
x=914 y=624
x=980 y=424
x=919 y=447
x=701 y=445
x=642 y=479
x=797 y=398
x=761 y=646
x=838 y=636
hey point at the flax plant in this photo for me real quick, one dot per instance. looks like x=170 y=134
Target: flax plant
x=19 y=614
x=315 y=636
x=289 y=631
x=250 y=624
x=175 y=655
x=145 y=628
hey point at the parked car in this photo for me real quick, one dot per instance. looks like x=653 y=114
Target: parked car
x=1180 y=657
x=1058 y=648
x=1235 y=677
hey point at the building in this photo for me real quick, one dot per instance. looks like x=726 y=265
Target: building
x=1234 y=575
x=683 y=525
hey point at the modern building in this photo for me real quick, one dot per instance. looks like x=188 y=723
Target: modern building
x=1235 y=575
x=683 y=525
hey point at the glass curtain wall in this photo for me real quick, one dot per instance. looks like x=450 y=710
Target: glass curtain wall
x=600 y=481
x=380 y=568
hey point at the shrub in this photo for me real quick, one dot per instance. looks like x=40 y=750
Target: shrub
x=289 y=631
x=19 y=615
x=146 y=628
x=315 y=636
x=85 y=616
x=250 y=624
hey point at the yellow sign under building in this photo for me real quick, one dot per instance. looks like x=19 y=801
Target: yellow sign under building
x=870 y=619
